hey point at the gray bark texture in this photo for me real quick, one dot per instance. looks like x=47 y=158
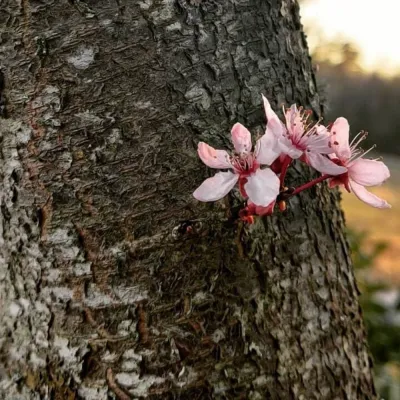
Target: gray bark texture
x=104 y=292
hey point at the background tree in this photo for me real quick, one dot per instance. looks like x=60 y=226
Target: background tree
x=367 y=99
x=114 y=280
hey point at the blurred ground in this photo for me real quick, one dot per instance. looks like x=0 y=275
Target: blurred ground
x=381 y=225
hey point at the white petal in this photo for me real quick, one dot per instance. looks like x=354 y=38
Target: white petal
x=368 y=172
x=368 y=197
x=262 y=187
x=213 y=158
x=267 y=149
x=324 y=164
x=241 y=138
x=217 y=187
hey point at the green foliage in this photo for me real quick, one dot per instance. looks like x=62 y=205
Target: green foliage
x=363 y=258
x=383 y=331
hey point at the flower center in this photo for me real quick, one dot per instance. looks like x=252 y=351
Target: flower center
x=244 y=164
x=342 y=179
x=299 y=126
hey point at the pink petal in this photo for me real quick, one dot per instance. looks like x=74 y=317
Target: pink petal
x=318 y=143
x=262 y=187
x=274 y=124
x=213 y=158
x=241 y=138
x=294 y=123
x=368 y=172
x=340 y=138
x=289 y=148
x=267 y=149
x=278 y=129
x=368 y=197
x=217 y=187
x=324 y=164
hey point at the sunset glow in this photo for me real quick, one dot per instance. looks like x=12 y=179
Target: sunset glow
x=373 y=27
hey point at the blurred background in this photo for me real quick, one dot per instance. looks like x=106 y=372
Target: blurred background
x=356 y=54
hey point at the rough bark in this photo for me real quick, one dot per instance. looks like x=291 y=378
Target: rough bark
x=104 y=291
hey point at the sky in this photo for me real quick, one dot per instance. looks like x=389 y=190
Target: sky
x=374 y=26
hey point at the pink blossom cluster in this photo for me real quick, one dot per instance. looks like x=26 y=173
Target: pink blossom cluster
x=260 y=172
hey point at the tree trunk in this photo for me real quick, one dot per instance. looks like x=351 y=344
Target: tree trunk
x=105 y=292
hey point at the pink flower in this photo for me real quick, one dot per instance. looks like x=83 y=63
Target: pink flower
x=300 y=138
x=360 y=171
x=261 y=186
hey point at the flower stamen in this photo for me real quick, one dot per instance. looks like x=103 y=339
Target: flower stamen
x=358 y=139
x=360 y=153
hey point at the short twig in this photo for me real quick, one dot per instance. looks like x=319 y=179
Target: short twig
x=142 y=327
x=112 y=384
x=100 y=330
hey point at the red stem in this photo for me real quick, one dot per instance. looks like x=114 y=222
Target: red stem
x=285 y=166
x=310 y=184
